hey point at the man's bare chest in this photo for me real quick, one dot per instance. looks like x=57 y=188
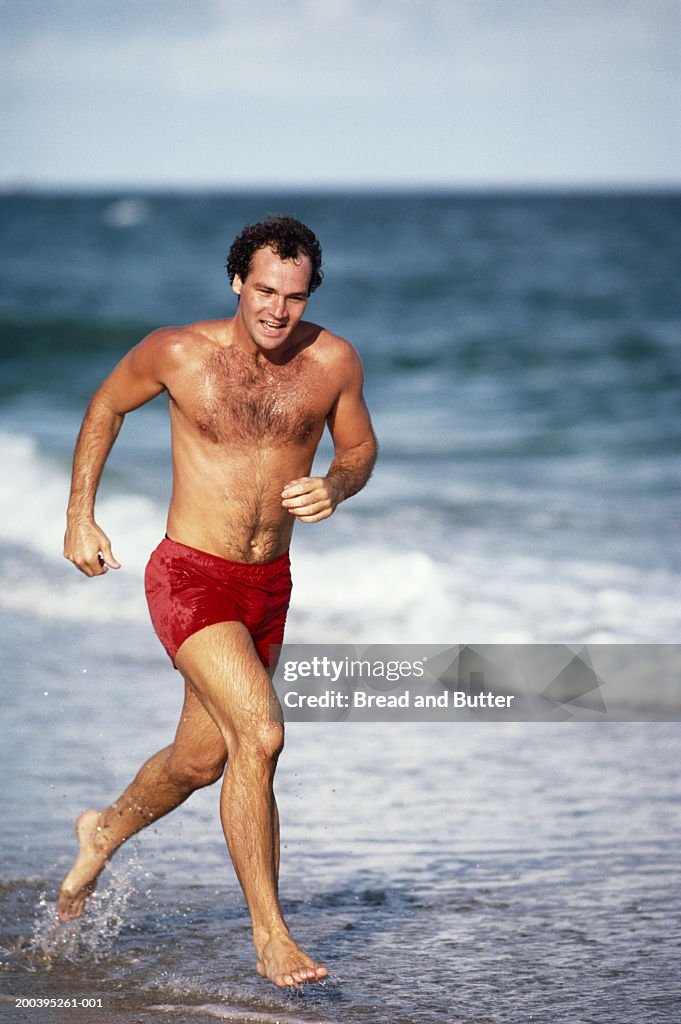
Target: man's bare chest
x=230 y=400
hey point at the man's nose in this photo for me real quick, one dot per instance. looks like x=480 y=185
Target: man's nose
x=278 y=306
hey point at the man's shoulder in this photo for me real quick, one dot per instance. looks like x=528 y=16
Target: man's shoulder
x=179 y=342
x=329 y=346
x=337 y=356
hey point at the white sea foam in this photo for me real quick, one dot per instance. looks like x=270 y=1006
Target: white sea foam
x=241 y=1015
x=33 y=502
x=126 y=213
x=378 y=595
x=33 y=496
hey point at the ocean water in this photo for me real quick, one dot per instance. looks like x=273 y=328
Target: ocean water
x=523 y=362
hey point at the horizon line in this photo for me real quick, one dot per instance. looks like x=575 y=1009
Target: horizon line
x=18 y=186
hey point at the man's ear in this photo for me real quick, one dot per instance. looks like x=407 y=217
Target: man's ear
x=237 y=284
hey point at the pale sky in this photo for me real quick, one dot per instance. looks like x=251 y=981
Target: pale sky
x=252 y=93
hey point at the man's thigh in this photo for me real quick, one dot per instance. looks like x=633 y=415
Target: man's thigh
x=222 y=667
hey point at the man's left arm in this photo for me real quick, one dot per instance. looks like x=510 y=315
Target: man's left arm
x=311 y=499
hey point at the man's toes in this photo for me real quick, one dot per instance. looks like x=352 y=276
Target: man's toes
x=307 y=974
x=65 y=907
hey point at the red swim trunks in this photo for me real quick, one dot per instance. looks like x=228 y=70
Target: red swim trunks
x=188 y=589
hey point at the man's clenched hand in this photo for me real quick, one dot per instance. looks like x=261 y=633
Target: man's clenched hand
x=89 y=548
x=311 y=498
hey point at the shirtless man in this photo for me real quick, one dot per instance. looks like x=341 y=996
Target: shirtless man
x=249 y=398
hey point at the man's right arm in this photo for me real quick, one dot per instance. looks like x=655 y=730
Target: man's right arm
x=135 y=381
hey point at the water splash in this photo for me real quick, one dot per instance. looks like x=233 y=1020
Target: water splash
x=95 y=933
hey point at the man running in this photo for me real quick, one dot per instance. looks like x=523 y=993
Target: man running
x=249 y=398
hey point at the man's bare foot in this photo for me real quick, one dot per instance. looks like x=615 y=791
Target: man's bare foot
x=81 y=881
x=285 y=964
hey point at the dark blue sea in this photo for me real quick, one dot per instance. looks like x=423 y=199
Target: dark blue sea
x=523 y=368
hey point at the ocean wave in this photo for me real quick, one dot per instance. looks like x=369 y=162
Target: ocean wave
x=352 y=590
x=34 y=498
x=374 y=594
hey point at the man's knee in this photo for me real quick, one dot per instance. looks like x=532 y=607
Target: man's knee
x=196 y=774
x=263 y=740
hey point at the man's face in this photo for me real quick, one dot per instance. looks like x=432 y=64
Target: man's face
x=272 y=299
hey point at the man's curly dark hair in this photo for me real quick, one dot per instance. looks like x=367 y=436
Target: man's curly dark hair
x=286 y=236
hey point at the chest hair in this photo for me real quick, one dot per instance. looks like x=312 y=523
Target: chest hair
x=239 y=399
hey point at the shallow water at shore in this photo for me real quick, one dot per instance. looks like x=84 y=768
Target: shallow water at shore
x=467 y=873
